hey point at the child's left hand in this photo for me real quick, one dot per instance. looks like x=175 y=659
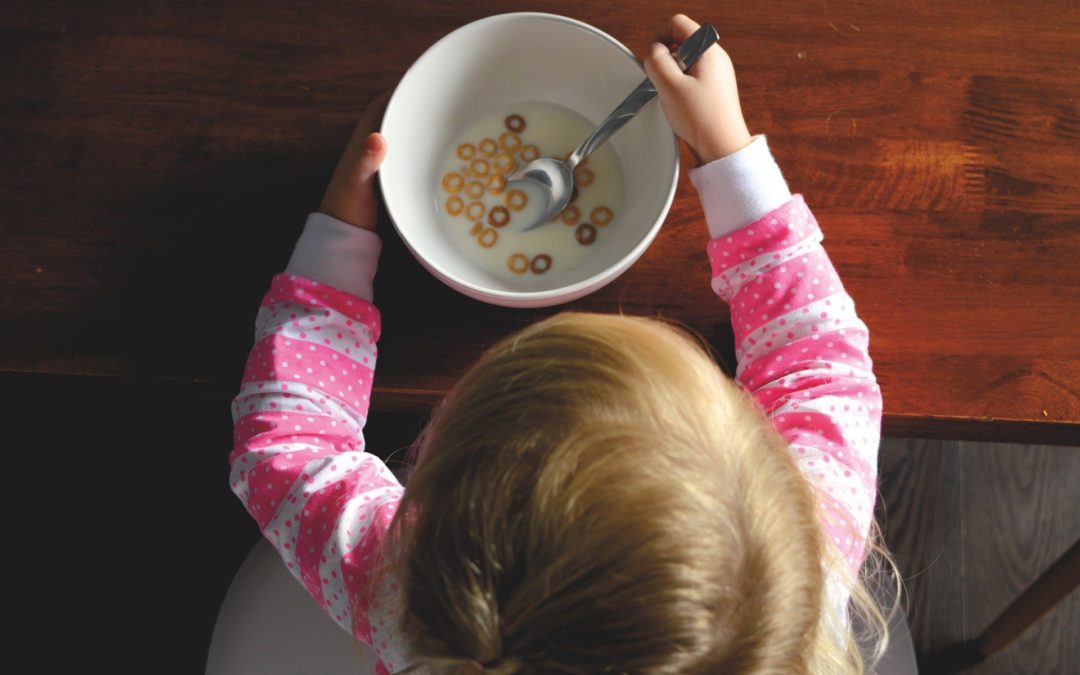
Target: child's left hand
x=350 y=197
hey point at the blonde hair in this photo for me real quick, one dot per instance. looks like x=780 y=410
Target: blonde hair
x=594 y=496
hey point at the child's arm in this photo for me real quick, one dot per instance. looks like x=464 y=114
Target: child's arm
x=801 y=348
x=803 y=355
x=298 y=462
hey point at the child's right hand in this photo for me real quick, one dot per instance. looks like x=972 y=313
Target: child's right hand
x=702 y=105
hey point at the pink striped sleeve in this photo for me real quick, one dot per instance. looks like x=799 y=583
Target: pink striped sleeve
x=803 y=355
x=298 y=461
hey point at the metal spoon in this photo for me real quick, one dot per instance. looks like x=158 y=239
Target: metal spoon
x=555 y=177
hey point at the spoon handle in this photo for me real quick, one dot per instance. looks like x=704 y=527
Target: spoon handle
x=688 y=54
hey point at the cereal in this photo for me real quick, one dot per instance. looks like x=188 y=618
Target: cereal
x=515 y=123
x=488 y=147
x=509 y=142
x=454 y=205
x=474 y=211
x=541 y=263
x=453 y=182
x=479 y=168
x=466 y=151
x=498 y=216
x=518 y=263
x=496 y=184
x=474 y=189
x=487 y=237
x=504 y=163
x=585 y=234
x=601 y=215
x=515 y=199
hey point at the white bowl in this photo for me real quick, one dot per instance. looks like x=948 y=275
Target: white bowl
x=503 y=60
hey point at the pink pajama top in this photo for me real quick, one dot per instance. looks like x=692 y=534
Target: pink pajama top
x=299 y=463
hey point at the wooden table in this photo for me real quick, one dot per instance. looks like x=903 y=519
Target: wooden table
x=159 y=160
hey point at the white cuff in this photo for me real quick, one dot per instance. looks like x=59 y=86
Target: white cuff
x=337 y=254
x=738 y=189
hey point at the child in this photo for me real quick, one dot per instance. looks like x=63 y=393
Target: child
x=594 y=495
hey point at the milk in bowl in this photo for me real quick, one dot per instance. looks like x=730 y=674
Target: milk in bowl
x=484 y=218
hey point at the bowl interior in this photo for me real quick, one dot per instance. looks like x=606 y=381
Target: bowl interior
x=499 y=61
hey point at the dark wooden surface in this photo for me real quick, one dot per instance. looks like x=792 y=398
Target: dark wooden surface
x=972 y=525
x=159 y=159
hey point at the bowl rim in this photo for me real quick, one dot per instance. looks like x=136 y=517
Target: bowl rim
x=547 y=297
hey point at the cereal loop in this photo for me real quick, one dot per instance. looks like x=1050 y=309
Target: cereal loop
x=453 y=182
x=541 y=263
x=571 y=214
x=476 y=229
x=509 y=141
x=529 y=152
x=454 y=205
x=496 y=184
x=515 y=199
x=601 y=215
x=584 y=176
x=585 y=234
x=504 y=163
x=488 y=147
x=466 y=151
x=498 y=216
x=574 y=194
x=474 y=189
x=474 y=211
x=515 y=123
x=479 y=168
x=518 y=264
x=488 y=237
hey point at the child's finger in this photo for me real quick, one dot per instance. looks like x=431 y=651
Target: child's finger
x=675 y=30
x=350 y=197
x=374 y=152
x=373 y=114
x=662 y=69
x=368 y=123
x=360 y=162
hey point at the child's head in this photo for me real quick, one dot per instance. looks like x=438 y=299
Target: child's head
x=596 y=496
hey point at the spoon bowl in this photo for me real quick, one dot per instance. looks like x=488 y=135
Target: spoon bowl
x=554 y=179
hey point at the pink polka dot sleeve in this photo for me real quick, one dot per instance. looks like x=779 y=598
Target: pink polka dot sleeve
x=298 y=462
x=803 y=354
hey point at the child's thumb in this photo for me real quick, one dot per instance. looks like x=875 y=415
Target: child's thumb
x=662 y=69
x=373 y=154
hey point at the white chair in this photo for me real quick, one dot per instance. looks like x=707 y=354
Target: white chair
x=269 y=625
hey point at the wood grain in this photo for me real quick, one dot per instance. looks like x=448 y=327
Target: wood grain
x=160 y=160
x=1030 y=493
x=971 y=526
x=920 y=512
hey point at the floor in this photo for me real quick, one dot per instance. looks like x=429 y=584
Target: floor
x=972 y=525
x=129 y=535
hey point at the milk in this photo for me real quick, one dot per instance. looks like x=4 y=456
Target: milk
x=549 y=251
